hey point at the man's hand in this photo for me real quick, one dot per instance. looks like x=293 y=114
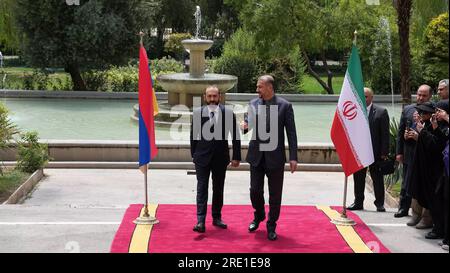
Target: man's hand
x=413 y=134
x=293 y=166
x=399 y=158
x=235 y=163
x=419 y=127
x=434 y=122
x=384 y=157
x=406 y=135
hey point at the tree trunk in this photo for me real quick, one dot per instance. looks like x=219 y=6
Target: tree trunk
x=315 y=75
x=78 y=82
x=403 y=8
x=329 y=73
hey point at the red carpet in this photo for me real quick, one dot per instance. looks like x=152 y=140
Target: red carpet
x=301 y=229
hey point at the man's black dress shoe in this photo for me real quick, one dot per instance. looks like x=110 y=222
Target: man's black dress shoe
x=355 y=207
x=381 y=209
x=200 y=228
x=433 y=235
x=271 y=235
x=219 y=223
x=254 y=225
x=401 y=213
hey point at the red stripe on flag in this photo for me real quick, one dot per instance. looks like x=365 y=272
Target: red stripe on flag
x=146 y=100
x=344 y=149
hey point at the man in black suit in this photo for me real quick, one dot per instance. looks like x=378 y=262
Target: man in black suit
x=210 y=129
x=379 y=131
x=268 y=117
x=405 y=153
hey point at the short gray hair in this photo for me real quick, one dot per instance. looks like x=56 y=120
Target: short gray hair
x=267 y=79
x=444 y=82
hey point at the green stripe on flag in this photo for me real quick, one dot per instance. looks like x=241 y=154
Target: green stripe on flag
x=356 y=77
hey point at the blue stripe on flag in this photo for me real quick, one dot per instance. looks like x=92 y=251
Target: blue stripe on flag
x=144 y=143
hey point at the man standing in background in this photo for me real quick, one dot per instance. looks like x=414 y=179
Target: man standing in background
x=405 y=154
x=379 y=130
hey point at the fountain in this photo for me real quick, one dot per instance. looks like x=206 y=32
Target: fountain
x=182 y=87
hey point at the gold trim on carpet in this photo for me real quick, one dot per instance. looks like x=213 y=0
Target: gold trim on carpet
x=348 y=232
x=141 y=235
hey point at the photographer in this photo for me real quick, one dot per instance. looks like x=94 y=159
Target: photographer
x=442 y=193
x=428 y=165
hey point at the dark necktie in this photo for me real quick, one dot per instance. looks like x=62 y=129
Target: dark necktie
x=213 y=121
x=267 y=117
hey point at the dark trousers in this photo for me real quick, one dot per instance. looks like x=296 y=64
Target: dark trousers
x=405 y=198
x=218 y=180
x=275 y=183
x=360 y=184
x=446 y=209
x=437 y=208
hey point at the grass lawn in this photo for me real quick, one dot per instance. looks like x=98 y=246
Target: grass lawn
x=311 y=86
x=16 y=77
x=10 y=181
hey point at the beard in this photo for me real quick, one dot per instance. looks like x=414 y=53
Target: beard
x=213 y=102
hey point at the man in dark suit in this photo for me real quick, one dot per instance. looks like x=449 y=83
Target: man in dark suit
x=210 y=129
x=405 y=151
x=268 y=117
x=379 y=131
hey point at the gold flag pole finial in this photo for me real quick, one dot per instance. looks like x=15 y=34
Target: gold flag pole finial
x=141 y=34
x=355 y=37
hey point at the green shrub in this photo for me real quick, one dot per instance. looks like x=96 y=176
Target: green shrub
x=288 y=71
x=126 y=78
x=396 y=177
x=95 y=80
x=239 y=59
x=174 y=46
x=244 y=68
x=32 y=154
x=436 y=48
x=166 y=64
x=7 y=128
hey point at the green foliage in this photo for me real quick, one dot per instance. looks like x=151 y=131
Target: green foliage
x=395 y=177
x=288 y=71
x=7 y=130
x=9 y=182
x=174 y=47
x=378 y=69
x=9 y=36
x=436 y=54
x=32 y=154
x=94 y=34
x=239 y=59
x=126 y=78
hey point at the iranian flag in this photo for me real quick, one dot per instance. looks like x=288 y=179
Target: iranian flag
x=350 y=131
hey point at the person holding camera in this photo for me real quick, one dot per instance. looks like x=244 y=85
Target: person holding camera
x=405 y=154
x=379 y=130
x=428 y=166
x=442 y=191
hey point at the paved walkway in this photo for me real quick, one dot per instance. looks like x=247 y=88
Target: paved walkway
x=80 y=210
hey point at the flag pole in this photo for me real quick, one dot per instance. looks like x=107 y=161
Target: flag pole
x=146 y=218
x=343 y=220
